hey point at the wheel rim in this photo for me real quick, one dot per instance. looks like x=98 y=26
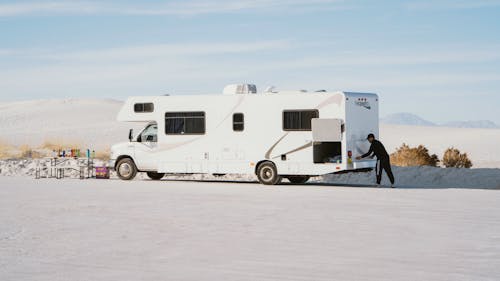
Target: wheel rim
x=267 y=174
x=125 y=169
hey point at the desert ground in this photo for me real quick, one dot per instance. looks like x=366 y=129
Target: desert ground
x=189 y=230
x=439 y=224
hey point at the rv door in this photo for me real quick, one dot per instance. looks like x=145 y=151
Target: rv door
x=326 y=130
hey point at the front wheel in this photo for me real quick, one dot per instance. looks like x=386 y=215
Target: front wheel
x=267 y=174
x=126 y=169
x=298 y=179
x=155 y=176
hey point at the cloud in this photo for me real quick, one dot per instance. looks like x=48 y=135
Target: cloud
x=158 y=51
x=310 y=54
x=206 y=67
x=145 y=53
x=46 y=7
x=452 y=4
x=179 y=8
x=145 y=68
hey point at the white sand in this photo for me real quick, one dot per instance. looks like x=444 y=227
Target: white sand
x=143 y=230
x=407 y=177
x=87 y=122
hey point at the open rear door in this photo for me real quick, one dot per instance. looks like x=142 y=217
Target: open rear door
x=327 y=140
x=326 y=130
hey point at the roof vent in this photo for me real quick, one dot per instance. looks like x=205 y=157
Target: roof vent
x=239 y=89
x=271 y=89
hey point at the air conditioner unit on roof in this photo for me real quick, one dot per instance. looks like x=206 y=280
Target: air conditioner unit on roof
x=240 y=89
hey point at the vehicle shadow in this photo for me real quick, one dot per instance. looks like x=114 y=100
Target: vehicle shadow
x=324 y=184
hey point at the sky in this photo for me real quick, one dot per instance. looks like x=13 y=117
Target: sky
x=439 y=59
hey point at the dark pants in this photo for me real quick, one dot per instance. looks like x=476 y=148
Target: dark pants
x=384 y=163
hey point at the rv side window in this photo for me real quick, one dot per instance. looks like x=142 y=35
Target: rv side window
x=238 y=122
x=180 y=123
x=298 y=120
x=143 y=107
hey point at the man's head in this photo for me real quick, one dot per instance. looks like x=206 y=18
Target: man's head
x=370 y=137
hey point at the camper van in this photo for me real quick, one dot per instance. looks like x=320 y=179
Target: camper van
x=274 y=135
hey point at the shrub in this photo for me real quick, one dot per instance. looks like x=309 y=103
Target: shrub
x=406 y=156
x=452 y=158
x=25 y=151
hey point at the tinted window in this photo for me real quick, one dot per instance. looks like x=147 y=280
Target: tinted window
x=298 y=120
x=143 y=107
x=148 y=107
x=238 y=122
x=177 y=123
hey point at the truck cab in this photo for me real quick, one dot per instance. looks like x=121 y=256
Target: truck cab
x=137 y=155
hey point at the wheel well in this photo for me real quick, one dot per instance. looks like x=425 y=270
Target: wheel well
x=122 y=157
x=262 y=162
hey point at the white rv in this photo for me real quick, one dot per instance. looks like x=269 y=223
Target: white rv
x=275 y=135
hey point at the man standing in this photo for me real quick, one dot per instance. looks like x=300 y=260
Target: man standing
x=378 y=149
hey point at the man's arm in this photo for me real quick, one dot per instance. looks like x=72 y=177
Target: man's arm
x=366 y=154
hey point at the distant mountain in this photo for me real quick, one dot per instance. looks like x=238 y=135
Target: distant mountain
x=410 y=119
x=486 y=124
x=404 y=118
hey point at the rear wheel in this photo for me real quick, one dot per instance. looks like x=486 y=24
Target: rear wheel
x=155 y=176
x=126 y=169
x=298 y=179
x=267 y=174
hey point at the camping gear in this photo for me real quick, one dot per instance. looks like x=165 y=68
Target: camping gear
x=101 y=172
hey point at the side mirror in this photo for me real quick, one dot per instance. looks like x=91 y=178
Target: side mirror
x=130 y=134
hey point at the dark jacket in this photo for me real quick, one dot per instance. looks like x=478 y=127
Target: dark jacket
x=378 y=149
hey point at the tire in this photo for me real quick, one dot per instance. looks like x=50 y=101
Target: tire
x=126 y=169
x=155 y=176
x=267 y=174
x=298 y=179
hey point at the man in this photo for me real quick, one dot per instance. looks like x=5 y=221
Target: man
x=378 y=149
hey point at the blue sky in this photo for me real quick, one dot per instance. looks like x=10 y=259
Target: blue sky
x=439 y=59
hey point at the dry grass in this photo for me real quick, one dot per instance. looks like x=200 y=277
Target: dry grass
x=452 y=158
x=6 y=150
x=57 y=145
x=26 y=151
x=103 y=154
x=406 y=156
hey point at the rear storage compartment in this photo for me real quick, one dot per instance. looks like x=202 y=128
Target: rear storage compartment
x=327 y=152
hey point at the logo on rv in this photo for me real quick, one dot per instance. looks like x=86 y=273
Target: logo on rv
x=364 y=103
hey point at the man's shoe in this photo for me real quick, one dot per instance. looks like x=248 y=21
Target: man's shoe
x=392 y=186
